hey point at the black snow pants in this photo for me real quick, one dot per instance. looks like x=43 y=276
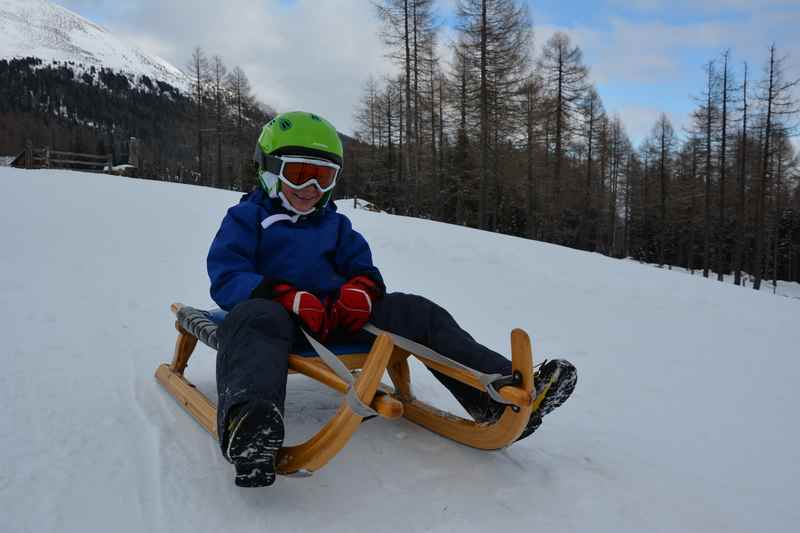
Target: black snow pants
x=256 y=337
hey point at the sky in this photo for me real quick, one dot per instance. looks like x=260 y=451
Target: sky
x=645 y=56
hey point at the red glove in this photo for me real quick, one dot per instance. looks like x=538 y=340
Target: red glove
x=305 y=305
x=354 y=306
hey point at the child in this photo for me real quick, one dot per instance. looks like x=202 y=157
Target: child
x=282 y=258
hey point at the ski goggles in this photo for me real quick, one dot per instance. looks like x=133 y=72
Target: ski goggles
x=300 y=172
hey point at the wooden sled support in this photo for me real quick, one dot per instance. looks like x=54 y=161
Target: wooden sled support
x=322 y=447
x=484 y=436
x=388 y=402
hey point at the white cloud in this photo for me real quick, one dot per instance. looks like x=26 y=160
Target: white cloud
x=641 y=52
x=306 y=54
x=639 y=121
x=703 y=6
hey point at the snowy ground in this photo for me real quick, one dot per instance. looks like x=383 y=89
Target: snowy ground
x=779 y=287
x=683 y=420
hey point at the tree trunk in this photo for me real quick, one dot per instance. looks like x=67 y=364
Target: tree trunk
x=531 y=203
x=484 y=106
x=407 y=146
x=761 y=226
x=721 y=231
x=587 y=200
x=740 y=201
x=663 y=205
x=707 y=210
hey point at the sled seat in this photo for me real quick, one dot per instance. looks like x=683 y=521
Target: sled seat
x=366 y=366
x=189 y=315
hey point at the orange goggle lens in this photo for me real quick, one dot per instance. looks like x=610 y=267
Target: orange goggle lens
x=300 y=173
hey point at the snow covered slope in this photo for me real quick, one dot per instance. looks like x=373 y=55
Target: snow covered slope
x=38 y=28
x=684 y=418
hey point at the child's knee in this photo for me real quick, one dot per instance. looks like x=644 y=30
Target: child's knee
x=409 y=302
x=258 y=313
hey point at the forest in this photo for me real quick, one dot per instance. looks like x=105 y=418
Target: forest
x=202 y=138
x=511 y=139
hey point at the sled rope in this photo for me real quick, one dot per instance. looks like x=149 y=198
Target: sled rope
x=329 y=358
x=487 y=380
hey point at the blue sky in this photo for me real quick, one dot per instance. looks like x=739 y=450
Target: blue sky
x=646 y=56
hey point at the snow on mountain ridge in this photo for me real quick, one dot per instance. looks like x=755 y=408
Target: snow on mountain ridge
x=38 y=28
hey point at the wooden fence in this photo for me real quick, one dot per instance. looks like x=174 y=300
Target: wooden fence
x=47 y=158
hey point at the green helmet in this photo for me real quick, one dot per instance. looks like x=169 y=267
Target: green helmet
x=297 y=133
x=303 y=134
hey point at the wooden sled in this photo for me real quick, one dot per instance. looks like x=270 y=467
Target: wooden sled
x=388 y=402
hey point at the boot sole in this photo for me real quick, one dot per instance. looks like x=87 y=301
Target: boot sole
x=560 y=388
x=254 y=444
x=556 y=391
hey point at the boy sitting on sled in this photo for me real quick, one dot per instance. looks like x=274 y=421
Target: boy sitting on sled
x=283 y=259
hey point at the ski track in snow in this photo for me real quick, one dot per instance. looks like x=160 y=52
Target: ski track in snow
x=683 y=417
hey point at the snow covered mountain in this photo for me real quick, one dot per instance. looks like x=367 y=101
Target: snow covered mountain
x=684 y=418
x=42 y=29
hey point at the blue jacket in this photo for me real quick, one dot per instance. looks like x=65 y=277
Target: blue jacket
x=259 y=242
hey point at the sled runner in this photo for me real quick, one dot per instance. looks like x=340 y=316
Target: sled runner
x=358 y=377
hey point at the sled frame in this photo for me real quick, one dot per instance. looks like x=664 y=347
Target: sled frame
x=389 y=402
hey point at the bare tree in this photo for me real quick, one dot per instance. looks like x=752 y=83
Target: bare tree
x=740 y=186
x=663 y=139
x=779 y=107
x=591 y=109
x=198 y=67
x=532 y=105
x=496 y=35
x=218 y=75
x=706 y=115
x=396 y=34
x=723 y=152
x=565 y=76
x=619 y=150
x=238 y=87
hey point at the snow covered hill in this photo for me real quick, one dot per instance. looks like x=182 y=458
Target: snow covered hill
x=38 y=28
x=684 y=418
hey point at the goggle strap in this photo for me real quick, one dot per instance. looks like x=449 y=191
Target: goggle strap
x=271 y=163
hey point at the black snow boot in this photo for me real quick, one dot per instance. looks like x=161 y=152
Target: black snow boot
x=554 y=382
x=254 y=434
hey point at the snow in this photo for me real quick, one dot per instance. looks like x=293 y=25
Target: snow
x=780 y=287
x=38 y=28
x=683 y=419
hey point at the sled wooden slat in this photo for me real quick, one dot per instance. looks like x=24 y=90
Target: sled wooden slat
x=385 y=405
x=483 y=436
x=322 y=447
x=516 y=396
x=351 y=361
x=191 y=399
x=184 y=347
x=400 y=374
